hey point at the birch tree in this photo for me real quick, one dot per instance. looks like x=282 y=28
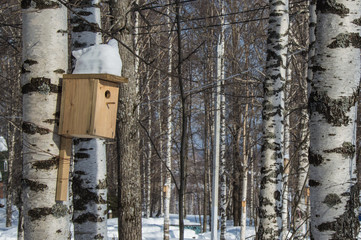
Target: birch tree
x=286 y=156
x=333 y=109
x=89 y=179
x=45 y=59
x=273 y=116
x=301 y=194
x=222 y=134
x=168 y=180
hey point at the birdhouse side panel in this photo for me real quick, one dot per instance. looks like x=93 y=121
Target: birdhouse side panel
x=76 y=107
x=105 y=112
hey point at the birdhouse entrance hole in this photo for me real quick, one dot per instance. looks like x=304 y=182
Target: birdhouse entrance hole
x=107 y=94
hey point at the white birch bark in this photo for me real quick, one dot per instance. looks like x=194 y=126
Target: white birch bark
x=161 y=200
x=168 y=180
x=244 y=175
x=286 y=157
x=301 y=195
x=333 y=107
x=222 y=157
x=216 y=151
x=45 y=58
x=89 y=179
x=273 y=116
x=149 y=155
x=217 y=138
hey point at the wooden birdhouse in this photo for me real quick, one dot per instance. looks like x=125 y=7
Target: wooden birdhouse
x=89 y=105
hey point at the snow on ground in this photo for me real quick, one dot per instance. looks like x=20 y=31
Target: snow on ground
x=152 y=228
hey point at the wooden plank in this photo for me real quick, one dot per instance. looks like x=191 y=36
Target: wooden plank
x=101 y=76
x=63 y=169
x=76 y=107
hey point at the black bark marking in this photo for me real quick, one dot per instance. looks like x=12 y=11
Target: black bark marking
x=39 y=4
x=344 y=40
x=79 y=25
x=265 y=202
x=315 y=159
x=58 y=231
x=272 y=55
x=41 y=85
x=332 y=199
x=277 y=195
x=38 y=213
x=85 y=195
x=80 y=172
x=76 y=141
x=46 y=164
x=30 y=62
x=357 y=21
x=35 y=186
x=81 y=155
x=313 y=183
x=78 y=44
x=347 y=150
x=345 y=226
x=318 y=69
x=84 y=13
x=102 y=185
x=331 y=6
x=99 y=236
x=60 y=71
x=273 y=14
x=59 y=210
x=334 y=110
x=87 y=217
x=31 y=128
x=51 y=121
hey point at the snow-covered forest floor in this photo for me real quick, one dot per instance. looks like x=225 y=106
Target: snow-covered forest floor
x=152 y=228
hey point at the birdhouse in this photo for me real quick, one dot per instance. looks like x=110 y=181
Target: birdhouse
x=89 y=105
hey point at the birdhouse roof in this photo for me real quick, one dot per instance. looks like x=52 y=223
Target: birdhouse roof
x=101 y=76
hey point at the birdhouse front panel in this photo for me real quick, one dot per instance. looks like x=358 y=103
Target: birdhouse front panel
x=89 y=105
x=105 y=111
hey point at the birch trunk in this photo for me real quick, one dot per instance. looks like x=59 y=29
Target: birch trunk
x=301 y=195
x=168 y=180
x=286 y=157
x=273 y=116
x=222 y=157
x=161 y=199
x=333 y=109
x=149 y=155
x=9 y=184
x=216 y=146
x=45 y=59
x=244 y=175
x=89 y=178
x=205 y=174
